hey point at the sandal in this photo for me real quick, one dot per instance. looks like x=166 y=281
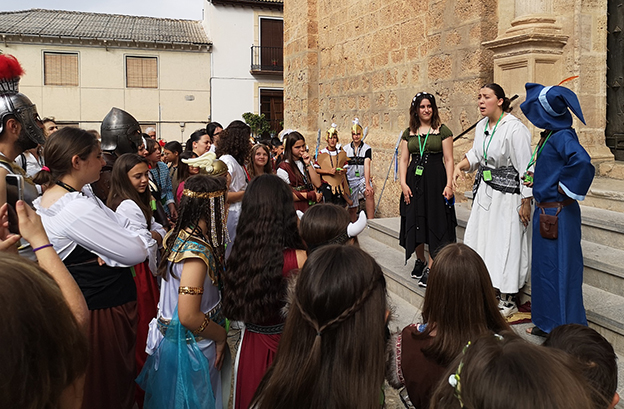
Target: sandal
x=537 y=332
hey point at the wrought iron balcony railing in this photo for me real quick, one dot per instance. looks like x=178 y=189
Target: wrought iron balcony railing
x=267 y=60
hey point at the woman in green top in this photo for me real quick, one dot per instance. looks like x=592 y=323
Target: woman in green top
x=427 y=202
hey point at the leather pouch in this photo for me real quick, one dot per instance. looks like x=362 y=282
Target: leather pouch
x=549 y=225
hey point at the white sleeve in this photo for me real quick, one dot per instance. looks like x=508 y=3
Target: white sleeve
x=475 y=153
x=283 y=175
x=93 y=228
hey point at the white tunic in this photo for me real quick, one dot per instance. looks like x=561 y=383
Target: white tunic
x=238 y=183
x=494 y=229
x=81 y=218
x=129 y=209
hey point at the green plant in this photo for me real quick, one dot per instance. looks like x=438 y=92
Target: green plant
x=258 y=124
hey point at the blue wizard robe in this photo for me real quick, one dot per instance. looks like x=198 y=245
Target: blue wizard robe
x=557 y=265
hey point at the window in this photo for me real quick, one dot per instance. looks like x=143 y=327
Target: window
x=272 y=106
x=141 y=72
x=60 y=69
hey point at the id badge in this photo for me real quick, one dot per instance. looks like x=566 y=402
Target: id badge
x=528 y=177
x=419 y=170
x=357 y=173
x=487 y=175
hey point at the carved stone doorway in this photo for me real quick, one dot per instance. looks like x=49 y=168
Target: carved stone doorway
x=615 y=78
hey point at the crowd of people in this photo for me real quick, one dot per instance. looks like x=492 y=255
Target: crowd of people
x=146 y=254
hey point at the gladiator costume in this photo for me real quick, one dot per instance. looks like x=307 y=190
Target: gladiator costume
x=18 y=105
x=334 y=186
x=121 y=133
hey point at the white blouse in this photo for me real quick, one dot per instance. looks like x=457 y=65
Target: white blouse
x=239 y=179
x=130 y=210
x=81 y=218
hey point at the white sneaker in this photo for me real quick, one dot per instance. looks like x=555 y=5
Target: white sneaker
x=507 y=308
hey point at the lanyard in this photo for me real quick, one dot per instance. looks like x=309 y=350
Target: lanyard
x=485 y=150
x=66 y=186
x=421 y=148
x=537 y=152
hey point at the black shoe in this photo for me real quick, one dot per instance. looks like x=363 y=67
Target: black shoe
x=423 y=280
x=419 y=266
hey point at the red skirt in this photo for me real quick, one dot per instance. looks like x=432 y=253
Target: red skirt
x=109 y=381
x=257 y=352
x=147 y=308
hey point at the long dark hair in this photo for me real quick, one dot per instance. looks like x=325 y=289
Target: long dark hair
x=59 y=150
x=191 y=211
x=234 y=140
x=121 y=188
x=497 y=373
x=500 y=94
x=334 y=338
x=460 y=303
x=289 y=141
x=183 y=168
x=44 y=350
x=174 y=146
x=322 y=223
x=414 y=108
x=253 y=285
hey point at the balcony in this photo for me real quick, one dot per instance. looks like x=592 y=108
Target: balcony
x=267 y=60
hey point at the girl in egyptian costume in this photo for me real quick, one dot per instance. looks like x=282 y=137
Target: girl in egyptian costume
x=187 y=340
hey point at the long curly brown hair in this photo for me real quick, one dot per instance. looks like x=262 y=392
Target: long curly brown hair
x=253 y=285
x=234 y=140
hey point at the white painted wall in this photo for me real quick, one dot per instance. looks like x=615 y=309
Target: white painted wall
x=102 y=86
x=233 y=30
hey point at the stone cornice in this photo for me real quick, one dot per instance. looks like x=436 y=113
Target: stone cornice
x=7 y=39
x=529 y=34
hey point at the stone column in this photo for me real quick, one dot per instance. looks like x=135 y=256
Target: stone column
x=531 y=49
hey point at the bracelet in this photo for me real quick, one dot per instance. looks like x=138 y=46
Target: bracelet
x=191 y=290
x=42 y=247
x=203 y=326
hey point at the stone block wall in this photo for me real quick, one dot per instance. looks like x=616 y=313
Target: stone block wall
x=368 y=58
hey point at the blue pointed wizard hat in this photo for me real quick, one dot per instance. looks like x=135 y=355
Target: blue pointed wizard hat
x=547 y=107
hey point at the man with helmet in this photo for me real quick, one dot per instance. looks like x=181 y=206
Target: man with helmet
x=20 y=126
x=120 y=133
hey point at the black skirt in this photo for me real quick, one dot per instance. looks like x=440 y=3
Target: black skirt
x=428 y=218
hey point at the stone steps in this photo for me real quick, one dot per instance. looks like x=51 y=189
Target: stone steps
x=606 y=193
x=603 y=288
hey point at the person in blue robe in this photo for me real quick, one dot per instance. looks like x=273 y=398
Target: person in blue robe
x=562 y=176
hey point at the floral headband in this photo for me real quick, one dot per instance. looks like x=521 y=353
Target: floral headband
x=429 y=96
x=455 y=379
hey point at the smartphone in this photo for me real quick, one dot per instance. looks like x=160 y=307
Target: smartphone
x=14 y=192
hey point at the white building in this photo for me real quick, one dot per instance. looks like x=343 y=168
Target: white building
x=247 y=58
x=79 y=65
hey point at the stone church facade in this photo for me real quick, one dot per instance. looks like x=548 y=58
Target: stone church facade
x=368 y=58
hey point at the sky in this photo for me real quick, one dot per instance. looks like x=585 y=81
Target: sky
x=179 y=9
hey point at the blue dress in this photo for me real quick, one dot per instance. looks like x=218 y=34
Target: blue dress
x=557 y=266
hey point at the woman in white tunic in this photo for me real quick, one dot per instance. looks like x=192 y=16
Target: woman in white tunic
x=233 y=149
x=498 y=228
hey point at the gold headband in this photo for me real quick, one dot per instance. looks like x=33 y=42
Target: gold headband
x=202 y=195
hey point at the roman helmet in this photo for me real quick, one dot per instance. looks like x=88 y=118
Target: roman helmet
x=14 y=103
x=120 y=132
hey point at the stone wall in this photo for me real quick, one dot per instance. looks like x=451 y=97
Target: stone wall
x=368 y=58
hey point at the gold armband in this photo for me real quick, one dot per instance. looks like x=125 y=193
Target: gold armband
x=203 y=326
x=191 y=290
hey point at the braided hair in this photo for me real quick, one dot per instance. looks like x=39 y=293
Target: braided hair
x=192 y=211
x=334 y=338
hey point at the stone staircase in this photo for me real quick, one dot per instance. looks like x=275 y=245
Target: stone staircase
x=603 y=253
